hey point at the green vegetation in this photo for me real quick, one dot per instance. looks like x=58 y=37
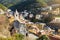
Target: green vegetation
x=15 y=37
x=3 y=7
x=9 y=3
x=18 y=36
x=42 y=2
x=43 y=37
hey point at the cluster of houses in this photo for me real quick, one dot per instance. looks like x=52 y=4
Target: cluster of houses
x=20 y=24
x=19 y=21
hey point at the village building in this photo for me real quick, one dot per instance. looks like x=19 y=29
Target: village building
x=53 y=9
x=16 y=15
x=31 y=15
x=38 y=16
x=9 y=13
x=55 y=24
x=44 y=12
x=8 y=10
x=56 y=11
x=56 y=20
x=20 y=27
x=18 y=24
x=25 y=13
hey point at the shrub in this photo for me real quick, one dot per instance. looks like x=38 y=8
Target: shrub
x=18 y=36
x=43 y=37
x=15 y=37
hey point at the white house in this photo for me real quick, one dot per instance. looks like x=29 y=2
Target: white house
x=38 y=17
x=31 y=15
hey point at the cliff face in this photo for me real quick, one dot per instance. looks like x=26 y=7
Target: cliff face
x=4 y=25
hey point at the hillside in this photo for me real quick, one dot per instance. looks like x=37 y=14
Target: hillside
x=9 y=3
x=4 y=25
x=2 y=7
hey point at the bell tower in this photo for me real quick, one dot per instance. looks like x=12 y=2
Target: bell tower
x=16 y=15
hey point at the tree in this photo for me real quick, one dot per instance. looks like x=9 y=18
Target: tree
x=9 y=3
x=18 y=37
x=15 y=37
x=42 y=2
x=43 y=37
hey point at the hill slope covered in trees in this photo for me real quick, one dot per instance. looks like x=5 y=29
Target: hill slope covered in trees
x=9 y=3
x=3 y=7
